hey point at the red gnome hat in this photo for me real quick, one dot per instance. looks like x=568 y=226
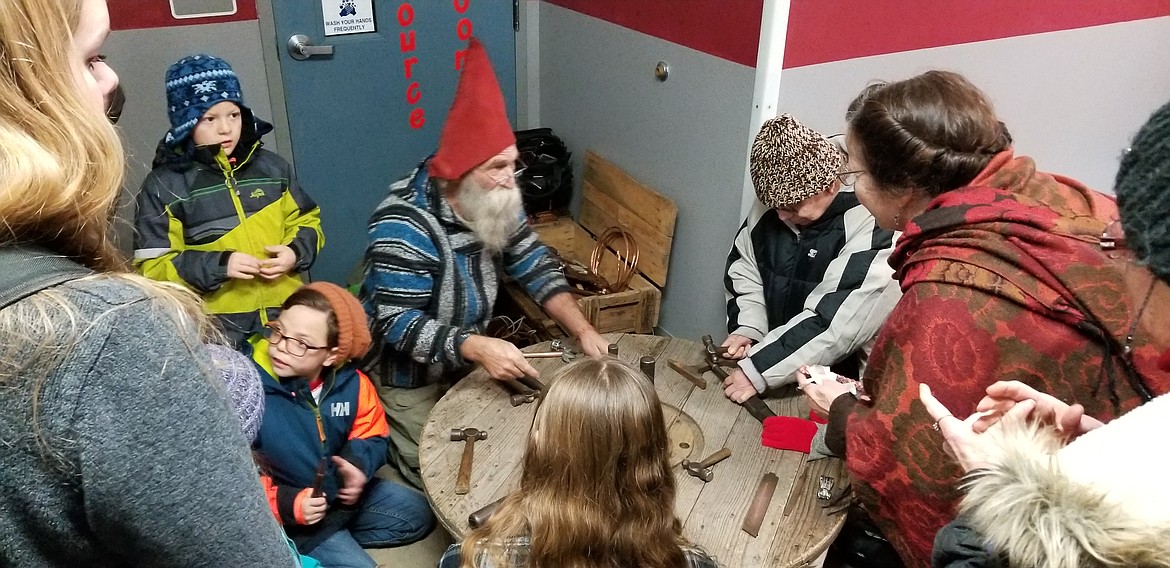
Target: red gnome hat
x=477 y=126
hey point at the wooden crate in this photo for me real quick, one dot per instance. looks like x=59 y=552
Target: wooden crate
x=610 y=198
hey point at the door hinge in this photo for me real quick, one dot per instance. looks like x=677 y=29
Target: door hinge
x=515 y=15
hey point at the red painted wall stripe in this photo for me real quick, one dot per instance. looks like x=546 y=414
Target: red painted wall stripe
x=822 y=31
x=833 y=30
x=139 y=14
x=729 y=29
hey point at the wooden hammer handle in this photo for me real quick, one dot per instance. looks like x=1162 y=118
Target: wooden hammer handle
x=715 y=458
x=463 y=481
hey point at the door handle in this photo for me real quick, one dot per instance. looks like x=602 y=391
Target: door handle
x=301 y=47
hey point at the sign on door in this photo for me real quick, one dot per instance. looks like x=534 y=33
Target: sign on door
x=348 y=16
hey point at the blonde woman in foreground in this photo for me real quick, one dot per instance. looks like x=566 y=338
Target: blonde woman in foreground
x=120 y=447
x=596 y=490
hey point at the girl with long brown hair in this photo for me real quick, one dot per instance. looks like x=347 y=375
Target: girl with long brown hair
x=120 y=448
x=596 y=489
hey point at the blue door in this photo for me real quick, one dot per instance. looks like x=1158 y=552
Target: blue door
x=364 y=115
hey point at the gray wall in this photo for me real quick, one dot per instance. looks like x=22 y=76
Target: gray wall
x=141 y=58
x=686 y=138
x=1071 y=99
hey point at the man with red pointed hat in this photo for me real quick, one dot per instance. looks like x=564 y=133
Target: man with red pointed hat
x=437 y=246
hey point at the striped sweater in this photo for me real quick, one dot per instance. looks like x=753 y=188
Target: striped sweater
x=429 y=285
x=810 y=296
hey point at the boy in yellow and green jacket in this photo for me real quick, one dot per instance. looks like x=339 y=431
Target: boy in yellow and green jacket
x=220 y=214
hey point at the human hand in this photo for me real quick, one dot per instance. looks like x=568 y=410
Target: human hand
x=1002 y=396
x=593 y=344
x=970 y=448
x=501 y=359
x=280 y=262
x=736 y=346
x=353 y=481
x=820 y=393
x=738 y=387
x=313 y=509
x=242 y=266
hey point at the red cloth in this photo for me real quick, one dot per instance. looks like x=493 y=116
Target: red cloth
x=788 y=433
x=477 y=126
x=1000 y=281
x=816 y=418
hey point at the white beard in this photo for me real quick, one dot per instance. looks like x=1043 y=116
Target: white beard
x=492 y=214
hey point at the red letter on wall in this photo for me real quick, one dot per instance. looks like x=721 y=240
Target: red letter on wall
x=417 y=118
x=405 y=14
x=408 y=65
x=463 y=29
x=406 y=41
x=460 y=5
x=460 y=55
x=413 y=94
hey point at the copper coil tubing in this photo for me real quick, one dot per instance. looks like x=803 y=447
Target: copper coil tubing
x=627 y=256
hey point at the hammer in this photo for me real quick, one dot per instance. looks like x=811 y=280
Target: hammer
x=705 y=469
x=518 y=393
x=566 y=355
x=714 y=359
x=470 y=435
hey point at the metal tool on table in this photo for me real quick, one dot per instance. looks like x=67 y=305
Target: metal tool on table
x=558 y=350
x=692 y=373
x=757 y=408
x=835 y=501
x=470 y=436
x=319 y=478
x=759 y=506
x=713 y=361
x=519 y=393
x=646 y=365
x=565 y=355
x=478 y=517
x=705 y=469
x=533 y=383
x=716 y=358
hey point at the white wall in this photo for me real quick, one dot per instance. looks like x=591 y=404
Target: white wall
x=686 y=137
x=1071 y=99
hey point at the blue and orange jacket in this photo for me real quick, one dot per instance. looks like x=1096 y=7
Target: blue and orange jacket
x=298 y=433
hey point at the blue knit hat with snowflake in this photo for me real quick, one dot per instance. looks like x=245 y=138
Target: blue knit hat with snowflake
x=195 y=84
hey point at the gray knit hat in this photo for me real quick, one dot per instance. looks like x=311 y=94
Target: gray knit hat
x=1143 y=193
x=243 y=386
x=791 y=162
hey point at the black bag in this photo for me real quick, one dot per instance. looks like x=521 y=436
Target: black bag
x=546 y=183
x=861 y=545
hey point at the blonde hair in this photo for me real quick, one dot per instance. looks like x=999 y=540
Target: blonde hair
x=61 y=170
x=596 y=490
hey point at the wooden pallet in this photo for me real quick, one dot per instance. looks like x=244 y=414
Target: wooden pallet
x=611 y=198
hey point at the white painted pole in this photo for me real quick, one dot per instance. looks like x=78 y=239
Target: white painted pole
x=766 y=95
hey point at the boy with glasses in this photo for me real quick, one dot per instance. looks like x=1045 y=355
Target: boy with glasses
x=324 y=433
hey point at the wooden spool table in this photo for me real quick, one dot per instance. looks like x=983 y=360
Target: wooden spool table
x=701 y=421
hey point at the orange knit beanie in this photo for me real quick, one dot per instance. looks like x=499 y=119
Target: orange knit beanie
x=353 y=331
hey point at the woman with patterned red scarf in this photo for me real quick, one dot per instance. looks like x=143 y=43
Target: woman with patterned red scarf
x=1003 y=278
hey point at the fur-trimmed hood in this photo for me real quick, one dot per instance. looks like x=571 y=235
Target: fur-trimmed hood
x=1101 y=501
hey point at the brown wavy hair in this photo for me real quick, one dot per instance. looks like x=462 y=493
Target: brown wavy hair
x=596 y=490
x=933 y=132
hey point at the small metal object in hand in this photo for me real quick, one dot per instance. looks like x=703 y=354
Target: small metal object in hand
x=826 y=487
